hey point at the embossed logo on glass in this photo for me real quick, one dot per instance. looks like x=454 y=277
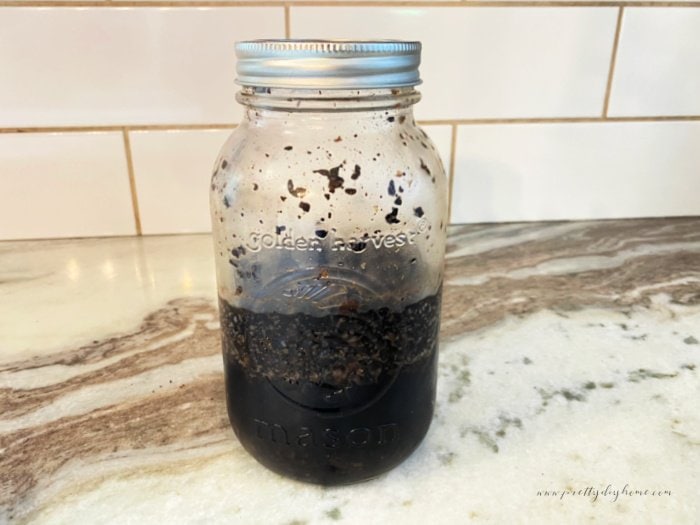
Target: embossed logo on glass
x=340 y=291
x=289 y=240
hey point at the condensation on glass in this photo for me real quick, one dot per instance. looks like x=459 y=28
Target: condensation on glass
x=329 y=211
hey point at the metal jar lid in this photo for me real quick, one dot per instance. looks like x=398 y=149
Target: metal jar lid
x=328 y=64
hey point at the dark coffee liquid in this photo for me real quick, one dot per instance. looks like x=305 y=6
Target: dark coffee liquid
x=332 y=399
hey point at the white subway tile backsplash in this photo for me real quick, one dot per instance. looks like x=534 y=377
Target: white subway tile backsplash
x=64 y=185
x=576 y=171
x=489 y=62
x=658 y=63
x=173 y=171
x=103 y=65
x=110 y=66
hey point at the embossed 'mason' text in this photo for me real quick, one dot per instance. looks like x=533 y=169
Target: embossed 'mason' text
x=328 y=437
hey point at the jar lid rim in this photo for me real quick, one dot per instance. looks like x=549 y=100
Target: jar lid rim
x=328 y=64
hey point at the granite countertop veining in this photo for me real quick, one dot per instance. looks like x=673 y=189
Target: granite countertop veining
x=570 y=361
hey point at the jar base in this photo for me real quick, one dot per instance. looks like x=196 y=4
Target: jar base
x=336 y=447
x=332 y=480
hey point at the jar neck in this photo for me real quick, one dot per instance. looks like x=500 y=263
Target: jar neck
x=327 y=100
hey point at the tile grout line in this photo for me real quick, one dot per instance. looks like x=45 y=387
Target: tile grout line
x=132 y=181
x=343 y=3
x=287 y=22
x=613 y=60
x=136 y=127
x=482 y=3
x=427 y=122
x=451 y=180
x=558 y=120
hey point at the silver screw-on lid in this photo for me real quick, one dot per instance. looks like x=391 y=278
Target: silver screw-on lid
x=328 y=64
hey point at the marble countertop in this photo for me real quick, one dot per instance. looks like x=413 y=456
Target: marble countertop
x=569 y=380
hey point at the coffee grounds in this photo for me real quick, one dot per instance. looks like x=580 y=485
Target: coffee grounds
x=333 y=399
x=348 y=348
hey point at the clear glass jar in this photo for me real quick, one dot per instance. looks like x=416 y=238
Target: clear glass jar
x=329 y=210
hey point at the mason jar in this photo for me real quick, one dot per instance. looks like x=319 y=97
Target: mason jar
x=329 y=211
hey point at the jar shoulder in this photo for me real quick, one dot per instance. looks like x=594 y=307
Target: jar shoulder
x=277 y=152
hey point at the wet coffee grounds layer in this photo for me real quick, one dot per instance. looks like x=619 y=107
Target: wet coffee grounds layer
x=350 y=347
